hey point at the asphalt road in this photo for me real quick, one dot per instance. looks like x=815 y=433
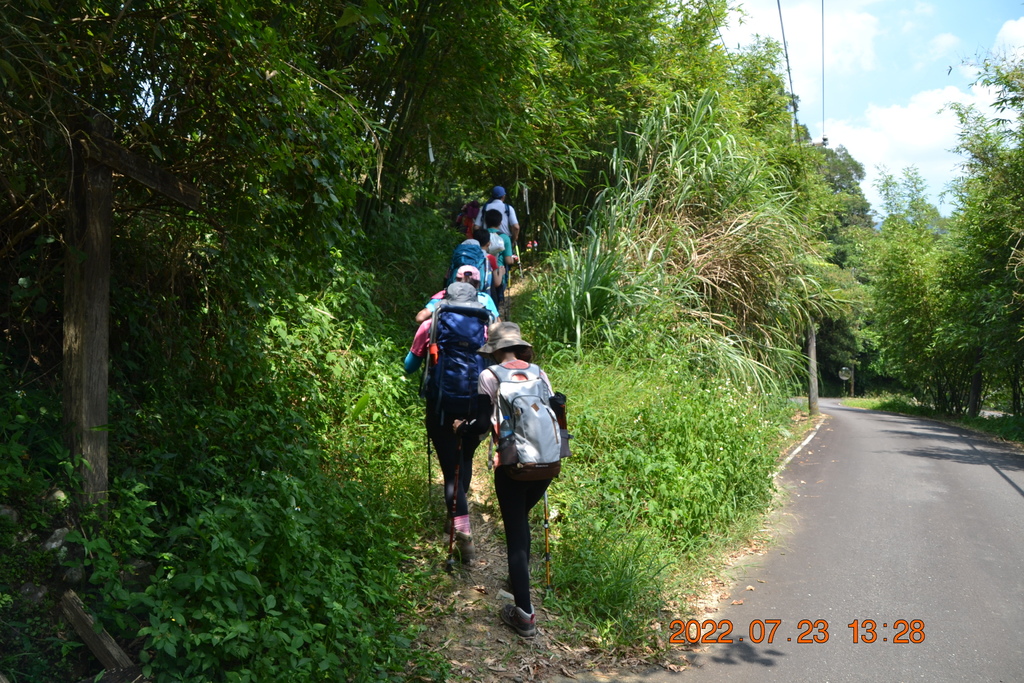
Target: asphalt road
x=893 y=518
x=909 y=523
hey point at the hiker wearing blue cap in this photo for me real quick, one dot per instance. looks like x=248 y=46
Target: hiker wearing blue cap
x=509 y=221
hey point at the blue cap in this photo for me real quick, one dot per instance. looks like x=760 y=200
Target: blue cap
x=498 y=192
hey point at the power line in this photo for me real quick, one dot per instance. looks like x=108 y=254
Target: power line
x=714 y=19
x=785 y=51
x=824 y=138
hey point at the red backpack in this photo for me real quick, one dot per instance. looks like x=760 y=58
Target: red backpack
x=465 y=221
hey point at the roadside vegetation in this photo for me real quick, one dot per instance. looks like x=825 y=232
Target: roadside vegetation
x=269 y=504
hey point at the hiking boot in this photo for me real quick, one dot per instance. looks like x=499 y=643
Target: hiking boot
x=464 y=542
x=525 y=625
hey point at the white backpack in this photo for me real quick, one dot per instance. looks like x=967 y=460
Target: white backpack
x=496 y=245
x=529 y=439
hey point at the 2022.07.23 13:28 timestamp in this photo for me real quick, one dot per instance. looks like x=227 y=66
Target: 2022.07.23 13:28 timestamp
x=867 y=631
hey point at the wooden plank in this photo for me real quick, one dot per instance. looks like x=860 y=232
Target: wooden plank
x=100 y=643
x=146 y=172
x=86 y=321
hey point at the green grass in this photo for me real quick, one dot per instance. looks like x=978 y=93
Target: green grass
x=668 y=466
x=865 y=402
x=1009 y=427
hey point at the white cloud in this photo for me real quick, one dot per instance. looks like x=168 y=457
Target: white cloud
x=850 y=37
x=850 y=42
x=967 y=70
x=1010 y=39
x=911 y=16
x=942 y=45
x=920 y=133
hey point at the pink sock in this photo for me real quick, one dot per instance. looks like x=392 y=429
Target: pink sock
x=462 y=524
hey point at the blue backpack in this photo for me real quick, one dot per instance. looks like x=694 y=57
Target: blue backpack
x=470 y=255
x=453 y=364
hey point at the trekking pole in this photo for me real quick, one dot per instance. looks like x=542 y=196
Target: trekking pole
x=430 y=471
x=549 y=589
x=450 y=564
x=526 y=201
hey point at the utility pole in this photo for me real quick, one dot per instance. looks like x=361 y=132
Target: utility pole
x=812 y=371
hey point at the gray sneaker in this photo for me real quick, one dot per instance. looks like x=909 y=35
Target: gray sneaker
x=525 y=625
x=464 y=542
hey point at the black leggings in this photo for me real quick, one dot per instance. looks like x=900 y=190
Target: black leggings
x=450 y=452
x=516 y=499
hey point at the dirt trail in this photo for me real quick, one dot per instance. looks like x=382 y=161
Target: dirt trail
x=462 y=618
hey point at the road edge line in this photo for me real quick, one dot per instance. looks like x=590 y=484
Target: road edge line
x=799 y=448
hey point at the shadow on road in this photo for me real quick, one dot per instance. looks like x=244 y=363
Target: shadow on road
x=1001 y=462
x=739 y=653
x=964 y=447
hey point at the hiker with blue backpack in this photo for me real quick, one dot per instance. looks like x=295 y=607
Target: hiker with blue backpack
x=449 y=342
x=473 y=252
x=526 y=417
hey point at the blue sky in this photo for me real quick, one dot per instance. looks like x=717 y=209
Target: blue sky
x=890 y=67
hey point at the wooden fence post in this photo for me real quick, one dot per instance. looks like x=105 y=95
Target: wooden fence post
x=87 y=315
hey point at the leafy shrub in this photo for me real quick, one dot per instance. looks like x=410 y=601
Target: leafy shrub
x=295 y=575
x=32 y=455
x=33 y=462
x=261 y=496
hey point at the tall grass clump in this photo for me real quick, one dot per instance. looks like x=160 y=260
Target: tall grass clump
x=589 y=295
x=699 y=233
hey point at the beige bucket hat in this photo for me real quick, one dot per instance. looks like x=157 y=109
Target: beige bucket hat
x=502 y=336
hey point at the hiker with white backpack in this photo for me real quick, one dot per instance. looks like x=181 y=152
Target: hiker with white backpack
x=505 y=256
x=516 y=402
